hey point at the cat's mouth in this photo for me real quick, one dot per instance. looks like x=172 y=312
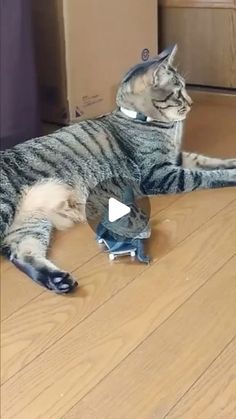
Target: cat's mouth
x=184 y=110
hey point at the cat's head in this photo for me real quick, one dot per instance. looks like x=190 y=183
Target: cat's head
x=155 y=89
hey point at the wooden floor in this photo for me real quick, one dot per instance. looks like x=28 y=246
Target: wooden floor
x=134 y=342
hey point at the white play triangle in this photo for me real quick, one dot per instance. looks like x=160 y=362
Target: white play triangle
x=116 y=210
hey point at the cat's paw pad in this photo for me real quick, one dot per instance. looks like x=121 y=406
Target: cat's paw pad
x=61 y=282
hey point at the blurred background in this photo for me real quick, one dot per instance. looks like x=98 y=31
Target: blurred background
x=61 y=61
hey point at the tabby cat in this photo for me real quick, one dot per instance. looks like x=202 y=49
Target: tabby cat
x=45 y=181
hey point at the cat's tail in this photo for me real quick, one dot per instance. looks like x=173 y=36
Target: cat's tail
x=5 y=223
x=8 y=200
x=6 y=217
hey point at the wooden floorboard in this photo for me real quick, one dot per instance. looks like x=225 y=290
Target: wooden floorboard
x=69 y=250
x=88 y=352
x=52 y=320
x=134 y=341
x=211 y=129
x=151 y=379
x=213 y=394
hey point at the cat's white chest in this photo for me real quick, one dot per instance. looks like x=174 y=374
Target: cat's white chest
x=178 y=134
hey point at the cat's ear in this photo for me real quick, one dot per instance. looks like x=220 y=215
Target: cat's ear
x=148 y=70
x=139 y=70
x=159 y=65
x=167 y=56
x=163 y=60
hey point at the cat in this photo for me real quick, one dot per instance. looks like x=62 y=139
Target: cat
x=45 y=182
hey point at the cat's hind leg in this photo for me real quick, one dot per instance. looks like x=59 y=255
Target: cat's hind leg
x=26 y=246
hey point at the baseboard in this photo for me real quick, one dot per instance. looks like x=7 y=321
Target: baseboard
x=208 y=4
x=211 y=96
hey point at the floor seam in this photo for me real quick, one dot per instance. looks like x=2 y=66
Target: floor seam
x=199 y=377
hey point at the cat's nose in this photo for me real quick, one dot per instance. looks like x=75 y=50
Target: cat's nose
x=189 y=100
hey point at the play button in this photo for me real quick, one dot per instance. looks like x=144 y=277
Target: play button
x=116 y=210
x=119 y=205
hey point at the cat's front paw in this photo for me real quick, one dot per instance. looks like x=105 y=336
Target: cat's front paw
x=52 y=279
x=230 y=164
x=232 y=176
x=60 y=282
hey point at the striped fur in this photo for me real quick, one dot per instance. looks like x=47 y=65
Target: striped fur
x=45 y=181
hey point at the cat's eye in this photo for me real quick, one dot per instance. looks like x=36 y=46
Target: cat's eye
x=178 y=92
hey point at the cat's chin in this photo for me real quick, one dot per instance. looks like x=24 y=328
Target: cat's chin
x=173 y=118
x=181 y=118
x=178 y=118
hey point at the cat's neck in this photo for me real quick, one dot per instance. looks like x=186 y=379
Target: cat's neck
x=138 y=131
x=139 y=116
x=138 y=137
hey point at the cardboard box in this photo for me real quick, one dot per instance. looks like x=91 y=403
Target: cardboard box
x=83 y=48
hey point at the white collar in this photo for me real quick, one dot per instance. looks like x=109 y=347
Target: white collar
x=136 y=115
